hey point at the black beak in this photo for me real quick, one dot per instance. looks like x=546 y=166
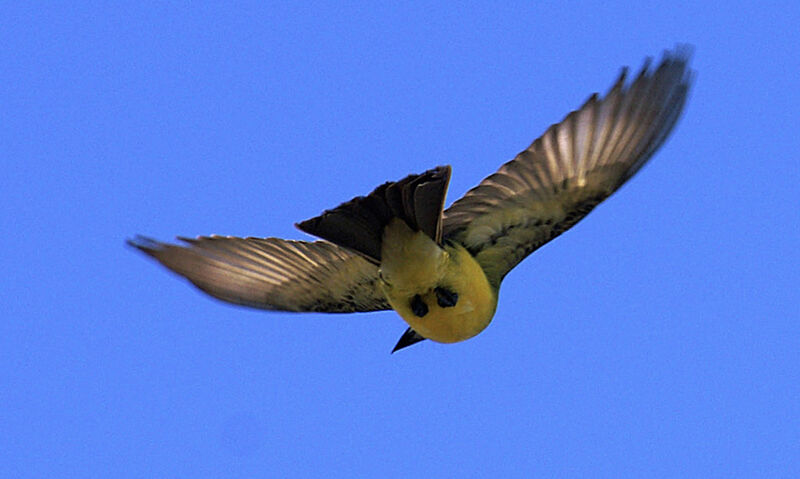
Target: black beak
x=407 y=339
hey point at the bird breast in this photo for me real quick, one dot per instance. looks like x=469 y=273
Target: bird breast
x=442 y=293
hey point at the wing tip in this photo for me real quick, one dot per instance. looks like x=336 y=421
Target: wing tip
x=144 y=243
x=678 y=56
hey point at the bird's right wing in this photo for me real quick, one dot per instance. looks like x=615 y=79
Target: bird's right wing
x=272 y=273
x=574 y=166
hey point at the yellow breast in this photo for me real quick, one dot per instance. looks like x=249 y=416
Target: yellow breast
x=415 y=269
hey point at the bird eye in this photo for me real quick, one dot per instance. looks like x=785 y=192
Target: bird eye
x=445 y=298
x=418 y=306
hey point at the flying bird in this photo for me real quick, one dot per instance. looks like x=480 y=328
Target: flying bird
x=441 y=269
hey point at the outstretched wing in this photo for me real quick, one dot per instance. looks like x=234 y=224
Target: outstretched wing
x=272 y=273
x=574 y=166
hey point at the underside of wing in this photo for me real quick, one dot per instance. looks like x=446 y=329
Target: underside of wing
x=273 y=274
x=574 y=166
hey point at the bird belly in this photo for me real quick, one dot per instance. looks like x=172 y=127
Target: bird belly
x=417 y=273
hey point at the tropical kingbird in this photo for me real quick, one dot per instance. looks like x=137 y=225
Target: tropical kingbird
x=441 y=269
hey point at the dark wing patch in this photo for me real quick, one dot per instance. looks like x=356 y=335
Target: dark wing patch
x=272 y=273
x=568 y=171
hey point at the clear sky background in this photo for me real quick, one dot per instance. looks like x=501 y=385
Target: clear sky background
x=658 y=338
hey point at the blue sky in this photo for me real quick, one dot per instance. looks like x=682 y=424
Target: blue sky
x=658 y=338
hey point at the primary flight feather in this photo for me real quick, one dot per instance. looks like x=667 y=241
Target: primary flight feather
x=441 y=270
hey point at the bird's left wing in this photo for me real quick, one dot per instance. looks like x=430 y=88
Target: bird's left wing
x=574 y=166
x=272 y=273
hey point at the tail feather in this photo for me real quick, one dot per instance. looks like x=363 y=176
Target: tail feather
x=358 y=224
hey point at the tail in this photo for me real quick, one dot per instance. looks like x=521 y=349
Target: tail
x=358 y=224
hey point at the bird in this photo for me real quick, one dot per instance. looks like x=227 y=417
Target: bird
x=439 y=268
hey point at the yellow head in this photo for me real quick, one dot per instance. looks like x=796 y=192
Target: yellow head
x=442 y=293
